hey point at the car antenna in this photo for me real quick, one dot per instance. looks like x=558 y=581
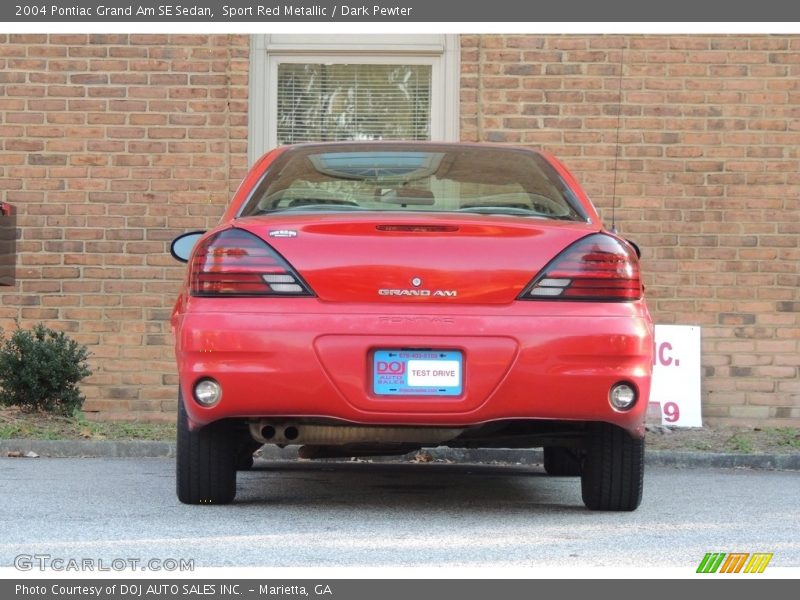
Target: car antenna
x=616 y=140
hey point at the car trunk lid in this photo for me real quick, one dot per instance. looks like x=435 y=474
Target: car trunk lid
x=416 y=258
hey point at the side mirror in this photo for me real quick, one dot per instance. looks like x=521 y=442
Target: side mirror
x=182 y=246
x=635 y=248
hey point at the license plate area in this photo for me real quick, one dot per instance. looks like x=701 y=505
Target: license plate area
x=412 y=372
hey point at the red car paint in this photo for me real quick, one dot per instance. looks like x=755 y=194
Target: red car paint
x=299 y=357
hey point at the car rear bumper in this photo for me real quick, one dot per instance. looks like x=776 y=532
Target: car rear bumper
x=300 y=358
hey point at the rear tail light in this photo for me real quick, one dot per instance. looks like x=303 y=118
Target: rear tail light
x=597 y=268
x=237 y=263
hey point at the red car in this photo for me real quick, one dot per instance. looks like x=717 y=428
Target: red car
x=367 y=298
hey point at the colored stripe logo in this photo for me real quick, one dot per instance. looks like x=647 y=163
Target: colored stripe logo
x=734 y=562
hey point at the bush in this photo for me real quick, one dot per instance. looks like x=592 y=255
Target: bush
x=40 y=369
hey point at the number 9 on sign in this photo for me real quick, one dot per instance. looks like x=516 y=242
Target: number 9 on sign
x=672 y=412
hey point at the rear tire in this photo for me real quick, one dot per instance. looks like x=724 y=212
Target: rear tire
x=613 y=470
x=561 y=462
x=205 y=462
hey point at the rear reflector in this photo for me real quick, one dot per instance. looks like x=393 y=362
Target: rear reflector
x=597 y=268
x=237 y=263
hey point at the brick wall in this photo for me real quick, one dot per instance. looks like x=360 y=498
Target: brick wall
x=110 y=145
x=708 y=181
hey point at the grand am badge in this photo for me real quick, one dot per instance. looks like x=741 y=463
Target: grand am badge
x=419 y=293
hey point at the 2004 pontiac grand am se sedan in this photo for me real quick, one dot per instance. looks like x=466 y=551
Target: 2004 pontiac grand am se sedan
x=373 y=298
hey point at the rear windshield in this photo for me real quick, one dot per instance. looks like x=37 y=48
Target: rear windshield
x=431 y=178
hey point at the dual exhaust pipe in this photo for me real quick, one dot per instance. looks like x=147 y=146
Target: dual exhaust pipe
x=285 y=434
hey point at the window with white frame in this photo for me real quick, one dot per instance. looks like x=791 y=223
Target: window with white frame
x=344 y=87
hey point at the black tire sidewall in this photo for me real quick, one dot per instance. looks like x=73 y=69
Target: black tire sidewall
x=206 y=461
x=613 y=469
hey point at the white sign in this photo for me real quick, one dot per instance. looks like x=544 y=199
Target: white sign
x=675 y=389
x=433 y=372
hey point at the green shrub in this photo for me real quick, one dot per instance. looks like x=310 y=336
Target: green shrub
x=40 y=369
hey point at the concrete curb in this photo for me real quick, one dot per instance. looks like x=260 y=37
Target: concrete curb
x=780 y=462
x=149 y=449
x=89 y=448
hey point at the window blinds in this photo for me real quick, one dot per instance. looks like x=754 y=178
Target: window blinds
x=333 y=102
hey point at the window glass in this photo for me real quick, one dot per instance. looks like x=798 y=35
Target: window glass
x=333 y=102
x=414 y=177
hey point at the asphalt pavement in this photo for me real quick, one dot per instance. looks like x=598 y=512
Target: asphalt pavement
x=391 y=514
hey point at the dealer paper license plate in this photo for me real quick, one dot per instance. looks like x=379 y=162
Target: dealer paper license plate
x=417 y=372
